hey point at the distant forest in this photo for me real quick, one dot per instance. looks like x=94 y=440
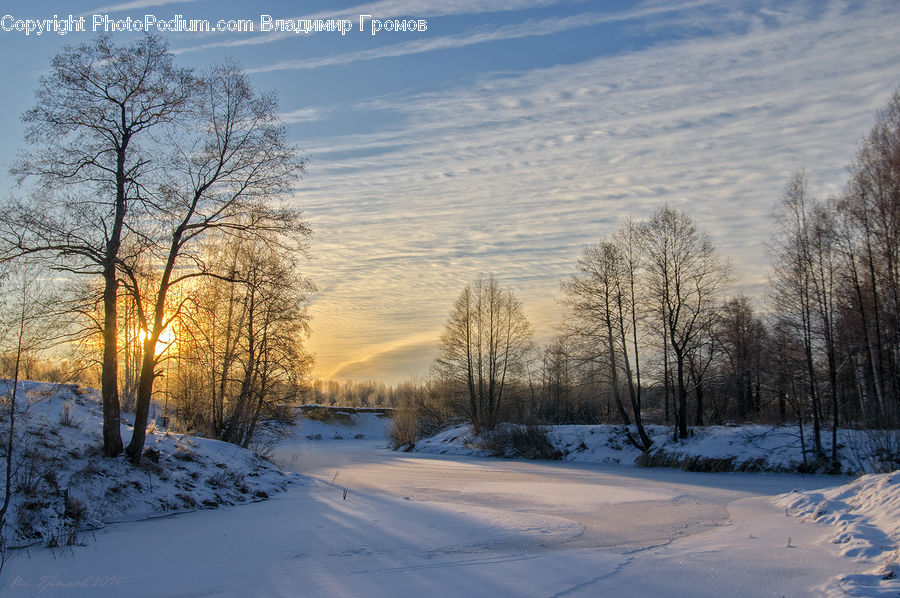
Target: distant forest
x=652 y=334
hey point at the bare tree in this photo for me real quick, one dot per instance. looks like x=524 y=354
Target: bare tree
x=684 y=277
x=91 y=127
x=853 y=241
x=872 y=206
x=10 y=444
x=558 y=370
x=484 y=347
x=824 y=263
x=741 y=335
x=26 y=327
x=602 y=297
x=792 y=285
x=627 y=237
x=231 y=175
x=273 y=301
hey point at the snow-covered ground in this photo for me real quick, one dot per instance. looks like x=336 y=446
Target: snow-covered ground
x=63 y=484
x=374 y=522
x=324 y=423
x=741 y=448
x=864 y=517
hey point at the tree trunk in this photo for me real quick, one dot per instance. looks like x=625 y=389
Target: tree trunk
x=109 y=377
x=142 y=405
x=682 y=394
x=614 y=376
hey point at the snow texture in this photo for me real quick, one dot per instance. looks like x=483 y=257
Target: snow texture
x=380 y=523
x=367 y=521
x=865 y=517
x=65 y=485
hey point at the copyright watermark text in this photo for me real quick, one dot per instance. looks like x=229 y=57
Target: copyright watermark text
x=103 y=23
x=48 y=582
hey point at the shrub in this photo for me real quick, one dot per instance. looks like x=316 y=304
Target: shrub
x=184 y=454
x=186 y=499
x=326 y=414
x=225 y=479
x=873 y=451
x=404 y=428
x=75 y=510
x=65 y=418
x=511 y=441
x=424 y=411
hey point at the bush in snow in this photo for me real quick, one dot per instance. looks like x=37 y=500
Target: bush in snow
x=511 y=440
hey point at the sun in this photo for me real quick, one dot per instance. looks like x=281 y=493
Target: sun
x=167 y=338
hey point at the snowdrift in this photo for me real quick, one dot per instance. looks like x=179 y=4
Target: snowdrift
x=865 y=515
x=63 y=484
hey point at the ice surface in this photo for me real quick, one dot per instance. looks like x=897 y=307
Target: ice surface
x=429 y=525
x=374 y=522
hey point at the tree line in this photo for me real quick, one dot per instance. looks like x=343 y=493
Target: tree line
x=652 y=334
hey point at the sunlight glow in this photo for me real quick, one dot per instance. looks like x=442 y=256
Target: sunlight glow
x=167 y=338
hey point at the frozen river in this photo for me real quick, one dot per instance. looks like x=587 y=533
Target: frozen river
x=423 y=525
x=612 y=506
x=550 y=528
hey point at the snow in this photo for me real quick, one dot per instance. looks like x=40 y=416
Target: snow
x=58 y=440
x=343 y=424
x=375 y=522
x=447 y=526
x=865 y=519
x=743 y=448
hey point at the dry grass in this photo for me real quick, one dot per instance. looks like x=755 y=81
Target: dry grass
x=515 y=441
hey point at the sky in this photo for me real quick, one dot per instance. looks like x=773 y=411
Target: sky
x=509 y=134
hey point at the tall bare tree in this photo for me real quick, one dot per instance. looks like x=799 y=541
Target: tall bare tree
x=824 y=264
x=602 y=295
x=793 y=291
x=685 y=277
x=853 y=242
x=872 y=202
x=484 y=346
x=94 y=156
x=273 y=301
x=229 y=176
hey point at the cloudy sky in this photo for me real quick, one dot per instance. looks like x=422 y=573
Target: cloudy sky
x=511 y=133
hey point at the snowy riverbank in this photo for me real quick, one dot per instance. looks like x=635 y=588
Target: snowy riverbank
x=712 y=448
x=63 y=487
